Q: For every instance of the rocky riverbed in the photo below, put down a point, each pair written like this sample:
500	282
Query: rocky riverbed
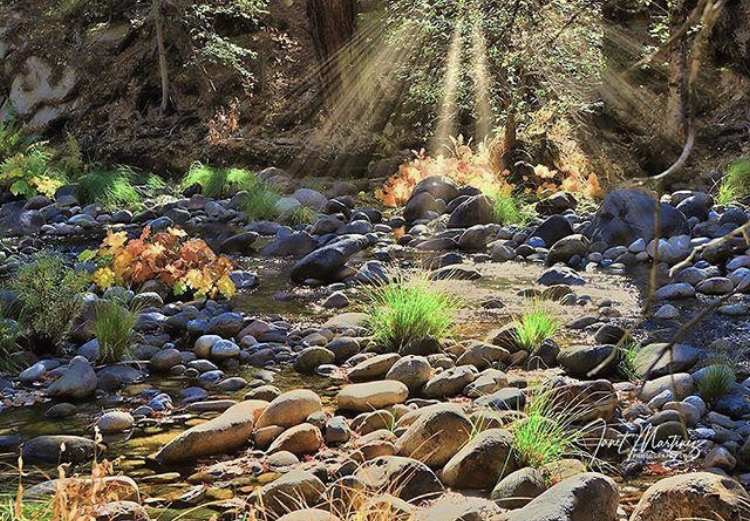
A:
279	397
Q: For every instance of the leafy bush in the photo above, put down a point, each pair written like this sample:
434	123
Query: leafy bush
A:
115	188
735	184
534	327
410	308
219	183
114	329
49	298
185	265
717	381
31	171
260	203
12	139
548	433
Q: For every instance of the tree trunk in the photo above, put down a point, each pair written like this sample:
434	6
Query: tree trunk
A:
332	25
675	116
163	70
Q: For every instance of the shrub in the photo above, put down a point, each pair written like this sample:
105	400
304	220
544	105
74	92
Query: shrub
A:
185	265
115	188
410	308
219	183
31	171
114	329
260	203
534	327
49	298
548	433
735	184
12	139
717	381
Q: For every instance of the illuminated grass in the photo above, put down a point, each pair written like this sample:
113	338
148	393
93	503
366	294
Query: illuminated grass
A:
717	381
534	327
219	183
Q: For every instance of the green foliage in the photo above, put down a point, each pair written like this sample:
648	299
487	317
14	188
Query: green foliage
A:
31	171
628	364
260	203
218	182
717	381
114	329
534	327
301	215
410	308
10	510
509	209
49	298
12	139
548	433
10	334
539	56
735	185
115	188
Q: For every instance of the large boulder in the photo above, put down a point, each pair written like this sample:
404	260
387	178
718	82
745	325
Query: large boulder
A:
58	449
628	215
325	263
482	462
699	495
436	436
406	478
419	204
475	210
553	229
290	409
438	187
226	433
372	396
660	359
585	497
299	440
295	490
78	382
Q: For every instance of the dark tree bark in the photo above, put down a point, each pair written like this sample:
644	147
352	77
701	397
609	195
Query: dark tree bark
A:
163	69
332	26
675	116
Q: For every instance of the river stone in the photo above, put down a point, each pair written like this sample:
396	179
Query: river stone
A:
412	371
588	361
699	495
680	384
164	360
78	382
488	382
553	229
326	262
371	396
343	348
656	360
475	210
374	367
557	276
240	244
311	358
628	215
482	462
436	436
290	409
309	514
221	435
508	399
677	291
419	204
48	449
588	401
407	478
556	203
120	511
450	382
585	497
224	350
438	187
567	248
517	489
299	440
482	355
294	490
115	421
715	286
453	506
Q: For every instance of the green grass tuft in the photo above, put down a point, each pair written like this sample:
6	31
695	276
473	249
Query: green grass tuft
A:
219	183
628	364
735	185
10	510
508	209
534	327
717	381
260	204
10	335
49	298
409	308
548	433
301	215
114	330
115	188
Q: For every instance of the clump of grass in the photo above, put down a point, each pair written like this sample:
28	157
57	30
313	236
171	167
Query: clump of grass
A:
13	510
114	329
49	298
219	183
301	215
260	204
628	364
508	208
115	188
10	335
548	433
717	381
410	308
735	184
534	326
